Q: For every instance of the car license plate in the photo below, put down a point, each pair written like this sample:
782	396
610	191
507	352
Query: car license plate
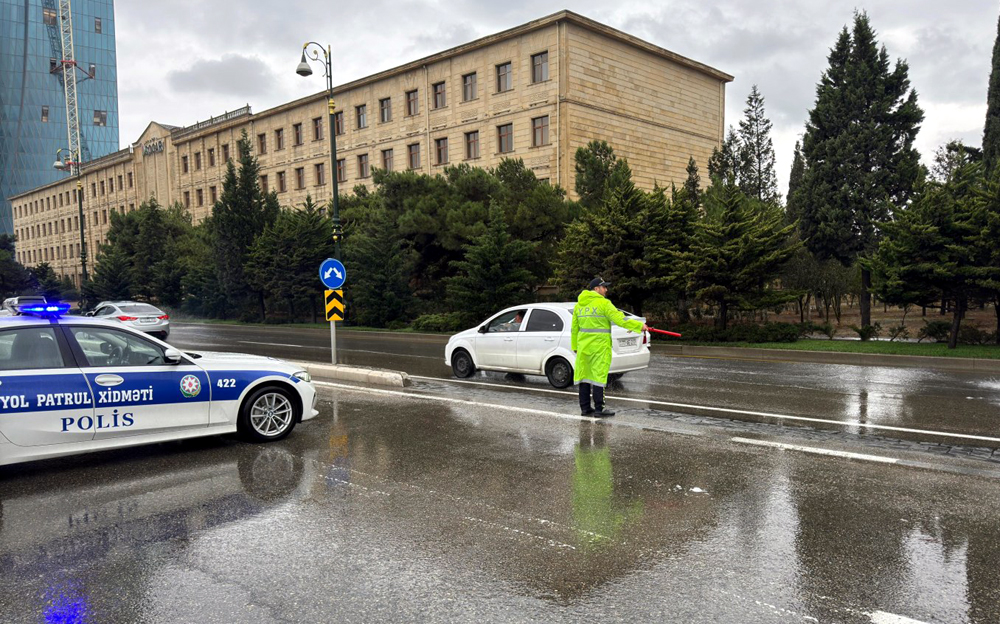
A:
627	342
147	320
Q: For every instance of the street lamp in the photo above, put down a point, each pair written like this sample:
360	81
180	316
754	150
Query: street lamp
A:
305	70
73	165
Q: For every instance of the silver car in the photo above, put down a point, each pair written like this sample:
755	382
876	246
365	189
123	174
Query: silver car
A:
141	316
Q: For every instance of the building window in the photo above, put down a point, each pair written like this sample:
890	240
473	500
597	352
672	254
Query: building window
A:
130	179
505	138
297	134
363	170
197	161
184	164
53	65
413	155
385	110
49	17
361	112
45	114
317	128
469	87
279	139
282	187
263	183
121	187
102	187
387	159
505	77
93	70
100	118
111	185
225	153
320	173
98	26
441	150
472	144
261	143
342	170
338	123
540	67
200	196
300	178
213	196
440	95
540	131
211	157
93	189
131	207
187	199
412	104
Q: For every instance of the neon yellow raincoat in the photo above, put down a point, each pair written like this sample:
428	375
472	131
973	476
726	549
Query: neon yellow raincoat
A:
591	336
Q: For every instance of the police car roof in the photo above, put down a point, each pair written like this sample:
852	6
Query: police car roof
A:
29	319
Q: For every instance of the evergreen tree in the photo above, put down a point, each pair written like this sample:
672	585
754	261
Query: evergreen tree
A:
991	134
793	202
860	163
112	276
757	178
203	292
380	262
595	165
670	233
692	184
725	162
14	278
494	273
737	251
46	282
951	157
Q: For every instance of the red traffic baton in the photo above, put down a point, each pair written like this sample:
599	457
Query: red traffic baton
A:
665	332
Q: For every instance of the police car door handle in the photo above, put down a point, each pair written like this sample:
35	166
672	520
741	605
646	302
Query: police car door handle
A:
108	380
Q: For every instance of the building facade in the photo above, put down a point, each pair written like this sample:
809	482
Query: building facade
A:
32	101
537	92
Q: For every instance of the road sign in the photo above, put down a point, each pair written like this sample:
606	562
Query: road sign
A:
332	273
334	305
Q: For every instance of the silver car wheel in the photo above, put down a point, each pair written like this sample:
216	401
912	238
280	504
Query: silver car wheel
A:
271	414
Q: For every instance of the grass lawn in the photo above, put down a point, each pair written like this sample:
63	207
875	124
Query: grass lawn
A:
991	352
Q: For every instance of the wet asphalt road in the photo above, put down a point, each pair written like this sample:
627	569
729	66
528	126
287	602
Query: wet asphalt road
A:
390	508
949	402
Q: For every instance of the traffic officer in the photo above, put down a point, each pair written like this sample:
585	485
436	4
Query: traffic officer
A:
591	341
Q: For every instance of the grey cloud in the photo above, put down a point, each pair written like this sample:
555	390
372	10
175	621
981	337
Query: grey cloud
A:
235	75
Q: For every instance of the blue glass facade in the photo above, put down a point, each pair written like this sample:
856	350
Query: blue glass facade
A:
32	101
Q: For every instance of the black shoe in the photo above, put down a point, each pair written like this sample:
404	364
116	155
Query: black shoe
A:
587	412
603	412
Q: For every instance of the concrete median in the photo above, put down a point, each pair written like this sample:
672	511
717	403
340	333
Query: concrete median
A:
357	374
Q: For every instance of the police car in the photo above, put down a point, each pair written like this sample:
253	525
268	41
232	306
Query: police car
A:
535	340
73	385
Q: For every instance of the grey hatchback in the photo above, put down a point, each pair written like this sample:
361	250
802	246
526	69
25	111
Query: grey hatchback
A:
141	316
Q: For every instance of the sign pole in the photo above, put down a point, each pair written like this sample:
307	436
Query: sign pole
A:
333	341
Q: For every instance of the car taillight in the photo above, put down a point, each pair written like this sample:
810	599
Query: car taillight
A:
164	317
645	337
127	318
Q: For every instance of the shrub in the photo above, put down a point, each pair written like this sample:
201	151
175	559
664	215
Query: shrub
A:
899	332
809	327
396	325
868	332
972	335
443	322
937	331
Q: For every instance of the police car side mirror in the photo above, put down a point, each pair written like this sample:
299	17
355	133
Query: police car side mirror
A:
172	356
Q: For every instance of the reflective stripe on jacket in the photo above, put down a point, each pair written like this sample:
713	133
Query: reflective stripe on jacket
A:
591	336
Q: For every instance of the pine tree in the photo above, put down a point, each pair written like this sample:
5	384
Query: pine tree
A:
793	202
692	185
725	161
14	278
991	134
669	235
860	163
494	273
112	276
756	176
594	166
380	261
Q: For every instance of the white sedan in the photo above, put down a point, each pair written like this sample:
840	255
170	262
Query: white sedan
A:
72	385
535	340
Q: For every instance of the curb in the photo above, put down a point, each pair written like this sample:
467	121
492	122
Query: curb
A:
978	365
358	374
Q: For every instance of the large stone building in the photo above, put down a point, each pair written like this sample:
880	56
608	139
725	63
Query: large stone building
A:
536	92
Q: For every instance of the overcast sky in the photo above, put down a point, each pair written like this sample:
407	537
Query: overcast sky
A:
186	60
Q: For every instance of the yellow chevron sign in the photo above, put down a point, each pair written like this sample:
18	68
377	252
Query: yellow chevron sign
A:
334	305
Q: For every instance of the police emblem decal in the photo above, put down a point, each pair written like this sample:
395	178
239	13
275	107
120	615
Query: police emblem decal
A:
190	386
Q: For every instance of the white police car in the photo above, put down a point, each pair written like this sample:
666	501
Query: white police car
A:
73	385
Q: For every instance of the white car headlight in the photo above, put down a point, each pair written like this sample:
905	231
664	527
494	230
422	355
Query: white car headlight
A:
302	376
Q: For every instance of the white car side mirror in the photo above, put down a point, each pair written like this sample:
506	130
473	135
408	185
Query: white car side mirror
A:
172	356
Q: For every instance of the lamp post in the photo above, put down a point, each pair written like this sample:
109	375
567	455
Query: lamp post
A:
305	70
73	164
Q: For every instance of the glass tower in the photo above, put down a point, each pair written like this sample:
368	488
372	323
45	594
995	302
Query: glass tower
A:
32	101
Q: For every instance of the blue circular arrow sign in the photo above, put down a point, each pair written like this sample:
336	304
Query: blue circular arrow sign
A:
332	273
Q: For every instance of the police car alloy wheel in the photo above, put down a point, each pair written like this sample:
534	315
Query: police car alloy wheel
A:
269	414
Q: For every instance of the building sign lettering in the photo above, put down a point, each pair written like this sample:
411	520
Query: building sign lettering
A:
152	146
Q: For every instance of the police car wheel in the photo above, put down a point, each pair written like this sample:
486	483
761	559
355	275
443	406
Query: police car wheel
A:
461	364
559	372
269	414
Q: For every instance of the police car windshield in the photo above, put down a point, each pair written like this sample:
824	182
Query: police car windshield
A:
139	308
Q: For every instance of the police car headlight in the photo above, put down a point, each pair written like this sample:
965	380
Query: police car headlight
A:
303	376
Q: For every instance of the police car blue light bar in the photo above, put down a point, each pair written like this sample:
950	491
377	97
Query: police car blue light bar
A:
44	309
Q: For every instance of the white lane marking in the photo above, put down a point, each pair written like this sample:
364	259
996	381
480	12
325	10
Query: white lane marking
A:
728	410
431	397
278	344
327	348
882	617
817	451
507	529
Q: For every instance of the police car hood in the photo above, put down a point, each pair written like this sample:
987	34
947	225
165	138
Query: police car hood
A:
233	360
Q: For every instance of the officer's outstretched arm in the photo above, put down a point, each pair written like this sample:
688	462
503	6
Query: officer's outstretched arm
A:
616	316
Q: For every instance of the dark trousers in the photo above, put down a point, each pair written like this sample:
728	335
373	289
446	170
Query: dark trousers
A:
585	389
